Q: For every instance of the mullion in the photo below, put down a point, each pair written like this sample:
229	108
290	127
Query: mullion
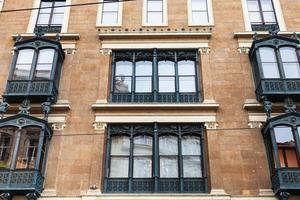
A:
261	12
51	13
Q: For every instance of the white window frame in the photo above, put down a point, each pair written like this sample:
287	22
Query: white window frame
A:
1	4
278	12
165	14
35	13
210	14
99	15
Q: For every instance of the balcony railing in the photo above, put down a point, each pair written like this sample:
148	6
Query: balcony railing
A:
48	29
278	89
21	181
286	180
165	185
264	27
35	90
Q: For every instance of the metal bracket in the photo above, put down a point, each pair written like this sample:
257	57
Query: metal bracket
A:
284	195
32	196
25	107
267	106
289	106
5	196
46	108
3	108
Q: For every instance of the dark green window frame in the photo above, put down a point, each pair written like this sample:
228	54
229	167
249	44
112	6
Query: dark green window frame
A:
155	56
155	183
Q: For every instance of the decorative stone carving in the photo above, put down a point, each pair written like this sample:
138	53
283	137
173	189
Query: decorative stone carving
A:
244	50
204	50
105	51
58	126
46	108
25	107
3	108
267	107
211	125
31	196
99	125
255	124
289	105
70	51
5	196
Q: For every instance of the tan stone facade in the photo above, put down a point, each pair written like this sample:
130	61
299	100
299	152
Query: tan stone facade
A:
237	163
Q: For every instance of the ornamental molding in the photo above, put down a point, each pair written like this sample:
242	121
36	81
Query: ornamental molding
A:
58	126
211	125
243	50
255	124
204	50
99	126
105	51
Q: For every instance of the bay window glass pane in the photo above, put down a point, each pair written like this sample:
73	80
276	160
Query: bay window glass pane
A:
284	135
166	68
28	147
142	145
143	68
198	5
23	65
266	5
119	167
7	143
57	19
155	5
155	18
255	17
288	54
120	145
168	145
187	84
142	167
123	68
252	5
270	70
186	67
168	167
122	84
109	18
291	157
44	64
143	84
269	62
192	167
269	17
291	70
191	145
166	84
43	19
199	17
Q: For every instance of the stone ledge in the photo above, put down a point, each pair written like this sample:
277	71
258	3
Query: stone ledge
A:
63	36
249	34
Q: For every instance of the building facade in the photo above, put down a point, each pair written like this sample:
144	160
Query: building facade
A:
149	99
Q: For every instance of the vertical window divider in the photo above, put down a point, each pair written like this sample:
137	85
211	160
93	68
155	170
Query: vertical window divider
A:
133	81
39	151
51	14
46	157
197	78
275	149
15	152
54	64
176	77
107	159
32	70
13	65
297	142
155	76
155	158
279	63
130	175
180	160
112	82
203	157
261	13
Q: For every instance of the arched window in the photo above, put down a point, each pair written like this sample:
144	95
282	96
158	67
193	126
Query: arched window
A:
168	156
269	62
166	76
123	77
142	156
143	77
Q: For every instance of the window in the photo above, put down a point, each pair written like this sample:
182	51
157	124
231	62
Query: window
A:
272	59
51	15
155	13
162	158
200	12
155	76
286	147
110	14
1	4
263	15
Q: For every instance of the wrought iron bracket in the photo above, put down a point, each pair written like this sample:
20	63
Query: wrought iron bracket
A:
25	107
5	196
289	105
267	106
32	196
3	108
284	195
46	108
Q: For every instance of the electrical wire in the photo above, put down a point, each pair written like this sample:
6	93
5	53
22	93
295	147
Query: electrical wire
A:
71	5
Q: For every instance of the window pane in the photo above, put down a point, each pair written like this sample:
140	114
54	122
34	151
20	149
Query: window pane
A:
270	70
142	145
155	5
186	67
269	17
269	62
283	135
252	5
143	68
123	68
187	84
168	167
155	18
109	18
23	65
192	166
120	145
291	157
45	6
166	68
7	143
168	145
111	6
122	84
255	17
59	9
142	167
198	5
119	167
46	56
291	70
166	84
28	147
288	54
266	5
191	145
44	65
57	19
143	84
199	17
43	19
